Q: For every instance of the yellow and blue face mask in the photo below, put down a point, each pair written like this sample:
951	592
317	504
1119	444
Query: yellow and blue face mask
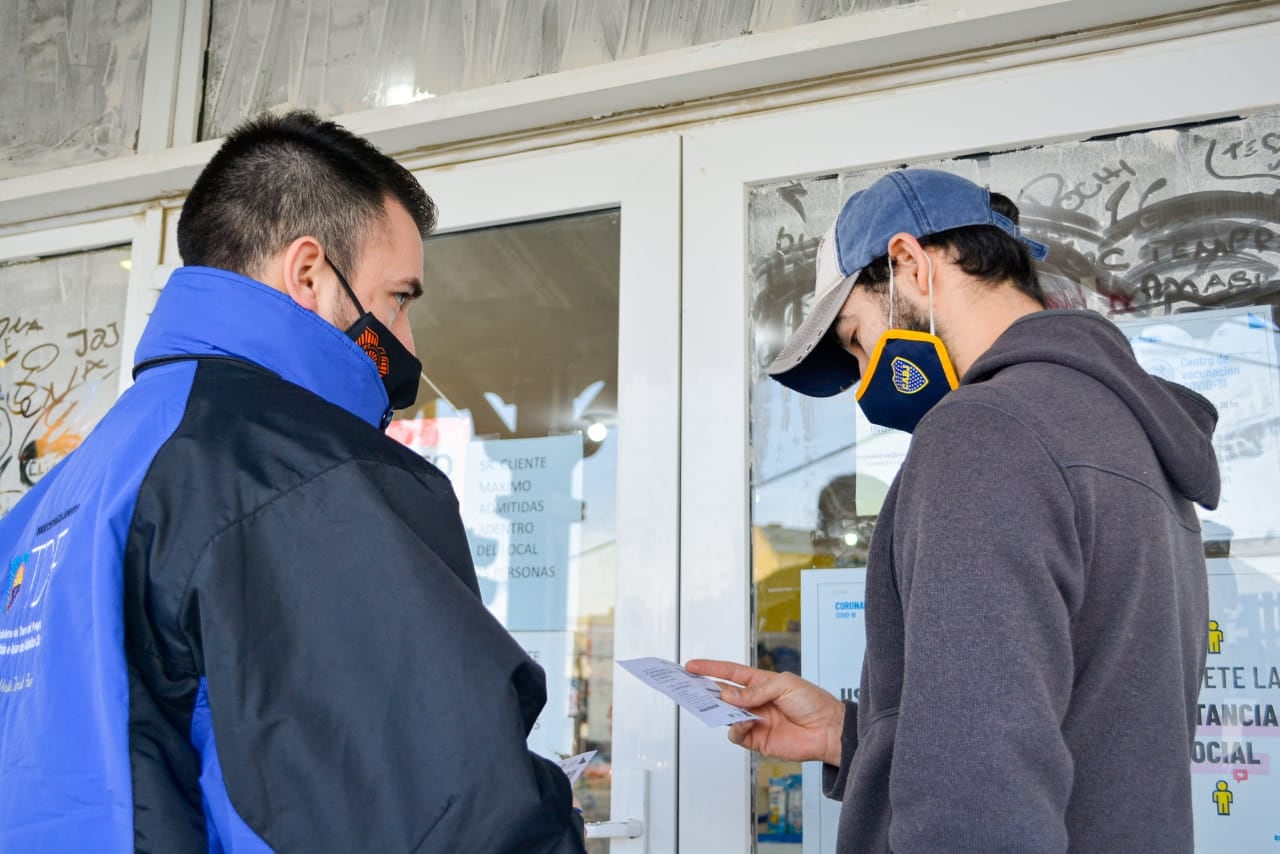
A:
909	372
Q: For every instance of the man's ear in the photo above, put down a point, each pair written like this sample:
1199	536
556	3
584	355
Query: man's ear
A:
910	264
302	265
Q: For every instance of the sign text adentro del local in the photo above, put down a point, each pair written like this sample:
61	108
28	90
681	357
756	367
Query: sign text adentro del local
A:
522	514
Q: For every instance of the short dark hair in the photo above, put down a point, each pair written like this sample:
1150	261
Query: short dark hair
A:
986	252
279	177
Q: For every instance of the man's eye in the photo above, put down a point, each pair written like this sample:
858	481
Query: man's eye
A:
401	299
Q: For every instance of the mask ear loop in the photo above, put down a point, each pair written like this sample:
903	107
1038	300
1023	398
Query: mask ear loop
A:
932	331
891	299
347	287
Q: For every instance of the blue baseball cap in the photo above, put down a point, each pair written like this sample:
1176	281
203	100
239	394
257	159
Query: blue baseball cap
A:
919	202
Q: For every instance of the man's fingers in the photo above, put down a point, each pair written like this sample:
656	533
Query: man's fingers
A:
728	670
762	693
738	732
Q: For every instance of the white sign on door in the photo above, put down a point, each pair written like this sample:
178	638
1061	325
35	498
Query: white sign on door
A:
833	640
521	500
1235	758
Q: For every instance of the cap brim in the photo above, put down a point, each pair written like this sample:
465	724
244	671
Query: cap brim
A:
812	362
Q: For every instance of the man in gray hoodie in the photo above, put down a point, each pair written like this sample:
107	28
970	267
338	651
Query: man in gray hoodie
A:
1036	598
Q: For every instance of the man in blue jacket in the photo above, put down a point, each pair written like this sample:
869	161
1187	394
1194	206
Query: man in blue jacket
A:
239	617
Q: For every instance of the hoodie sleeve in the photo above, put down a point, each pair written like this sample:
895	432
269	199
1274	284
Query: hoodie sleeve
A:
362	697
988	565
834	777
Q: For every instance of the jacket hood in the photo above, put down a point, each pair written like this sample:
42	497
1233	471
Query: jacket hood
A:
1178	421
205	312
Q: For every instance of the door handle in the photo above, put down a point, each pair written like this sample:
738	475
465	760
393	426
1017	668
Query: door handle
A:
627	828
630	813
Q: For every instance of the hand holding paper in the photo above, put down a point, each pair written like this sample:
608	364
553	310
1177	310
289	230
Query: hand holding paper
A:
796	719
698	694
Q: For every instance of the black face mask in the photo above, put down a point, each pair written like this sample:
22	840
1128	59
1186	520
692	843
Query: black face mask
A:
398	367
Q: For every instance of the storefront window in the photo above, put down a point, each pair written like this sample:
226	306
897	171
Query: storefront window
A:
78	67
341	56
60	328
1175	235
518	336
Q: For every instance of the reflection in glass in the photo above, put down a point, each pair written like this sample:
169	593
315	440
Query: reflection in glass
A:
78	67
518	335
60	328
1174	234
341	56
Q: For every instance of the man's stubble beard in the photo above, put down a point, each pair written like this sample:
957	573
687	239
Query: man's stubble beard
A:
907	316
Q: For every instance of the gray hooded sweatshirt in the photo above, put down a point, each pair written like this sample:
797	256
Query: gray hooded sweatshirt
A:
1036	610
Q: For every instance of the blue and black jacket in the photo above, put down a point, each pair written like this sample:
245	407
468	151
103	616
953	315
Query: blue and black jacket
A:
239	618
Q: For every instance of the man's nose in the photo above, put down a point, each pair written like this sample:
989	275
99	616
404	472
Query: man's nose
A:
404	332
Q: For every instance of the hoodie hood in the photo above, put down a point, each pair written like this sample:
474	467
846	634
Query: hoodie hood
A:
1178	421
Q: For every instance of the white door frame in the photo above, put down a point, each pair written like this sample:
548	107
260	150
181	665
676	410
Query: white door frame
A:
642	178
141	232
1184	80
796	64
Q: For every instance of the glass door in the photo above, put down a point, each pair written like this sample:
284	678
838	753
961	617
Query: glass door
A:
780	493
69	318
548	334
